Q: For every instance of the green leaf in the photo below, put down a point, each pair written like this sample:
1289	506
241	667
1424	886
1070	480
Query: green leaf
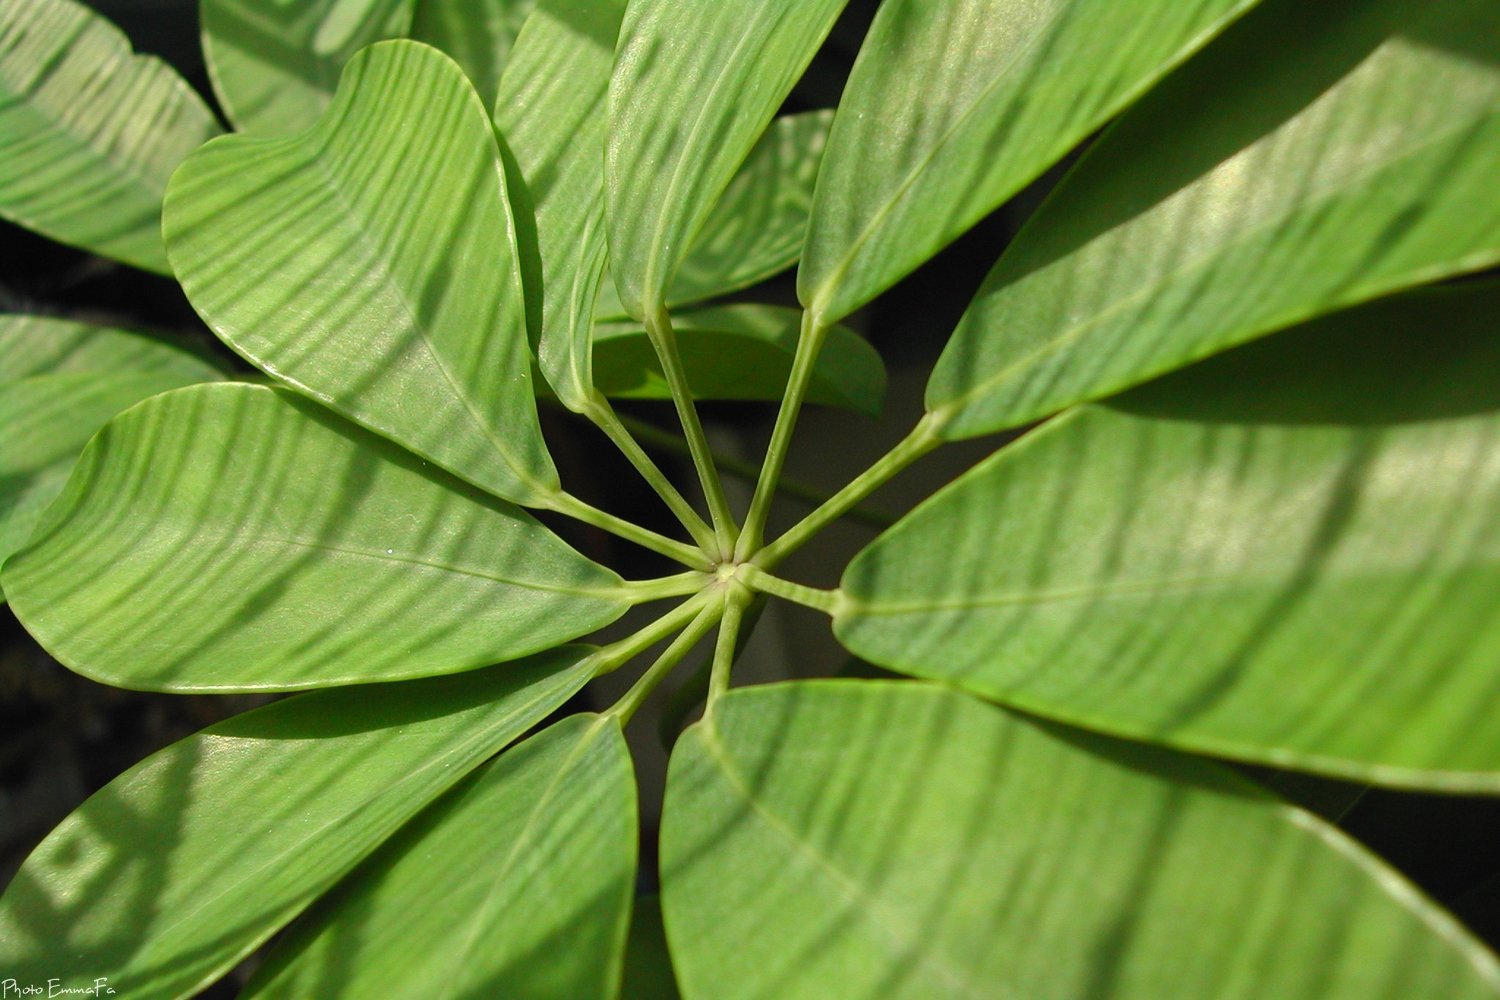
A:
695	84
181	866
478	34
275	66
59	383
648	965
739	351
91	131
757	227
238	538
1286	555
371	264
551	113
516	884
1259	187
891	840
955	105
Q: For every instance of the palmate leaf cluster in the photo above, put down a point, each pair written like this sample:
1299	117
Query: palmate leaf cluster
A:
1257	519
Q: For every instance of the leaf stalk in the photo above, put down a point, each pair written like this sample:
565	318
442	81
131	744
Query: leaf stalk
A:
922	440
664	340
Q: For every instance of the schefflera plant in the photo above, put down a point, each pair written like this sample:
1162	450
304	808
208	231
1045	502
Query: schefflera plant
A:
1283	555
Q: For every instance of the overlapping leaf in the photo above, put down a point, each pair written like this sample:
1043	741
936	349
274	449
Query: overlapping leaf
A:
371	264
889	840
739	352
551	113
954	105
1288	555
1253	190
91	131
59	383
275	66
695	84
478	34
518	884
235	537
756	228
184	864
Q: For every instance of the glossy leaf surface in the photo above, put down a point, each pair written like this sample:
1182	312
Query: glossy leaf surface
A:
739	352
955	105
275	66
59	383
1287	555
478	34
757	227
163	880
235	538
1291	186
551	113
889	840
371	264
91	131
516	884
695	84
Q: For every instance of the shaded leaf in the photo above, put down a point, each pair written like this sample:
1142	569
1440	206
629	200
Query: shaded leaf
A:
516	884
648	966
955	105
163	880
371	264
91	131
891	840
275	66
551	113
236	538
478	34
695	84
1294	183
739	352
60	382
1285	555
757	227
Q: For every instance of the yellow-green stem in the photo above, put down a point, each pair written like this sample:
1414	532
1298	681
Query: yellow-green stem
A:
664	340
809	343
670	657
604	417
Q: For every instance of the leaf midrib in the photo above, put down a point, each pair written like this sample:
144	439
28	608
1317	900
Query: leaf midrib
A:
438	762
910	938
302	543
1336	188
840	271
379	255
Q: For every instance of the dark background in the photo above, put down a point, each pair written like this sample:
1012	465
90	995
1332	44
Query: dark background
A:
62	737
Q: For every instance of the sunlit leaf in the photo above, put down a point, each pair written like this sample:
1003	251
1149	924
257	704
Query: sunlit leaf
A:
892	840
517	884
739	352
177	869
954	105
59	383
90	131
1287	555
234	537
695	84
1255	189
275	65
551	113
757	227
371	264
478	34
